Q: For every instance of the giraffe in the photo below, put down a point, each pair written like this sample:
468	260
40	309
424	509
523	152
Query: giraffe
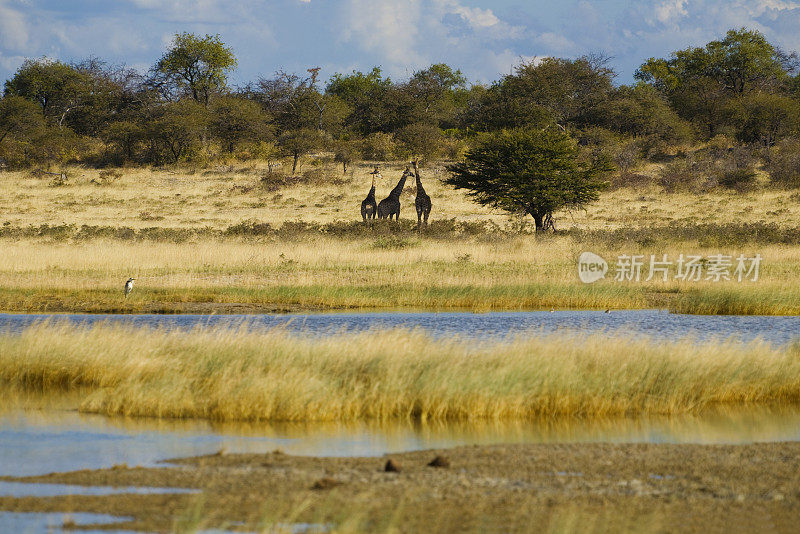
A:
391	205
423	200
368	206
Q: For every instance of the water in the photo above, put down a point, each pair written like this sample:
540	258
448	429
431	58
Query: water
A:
52	522
654	323
40	441
42	435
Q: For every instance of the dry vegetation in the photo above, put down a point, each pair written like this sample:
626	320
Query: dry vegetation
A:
236	238
242	374
225	196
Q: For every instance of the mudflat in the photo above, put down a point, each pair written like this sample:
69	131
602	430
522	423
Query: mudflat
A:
550	488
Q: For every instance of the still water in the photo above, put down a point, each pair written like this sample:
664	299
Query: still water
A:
38	439
654	323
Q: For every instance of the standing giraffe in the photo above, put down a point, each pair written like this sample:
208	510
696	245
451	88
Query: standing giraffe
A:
368	206
423	200
391	205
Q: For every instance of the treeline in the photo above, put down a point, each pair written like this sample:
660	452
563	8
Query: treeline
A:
740	92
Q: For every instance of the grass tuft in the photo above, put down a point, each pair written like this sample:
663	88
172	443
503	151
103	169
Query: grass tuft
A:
245	374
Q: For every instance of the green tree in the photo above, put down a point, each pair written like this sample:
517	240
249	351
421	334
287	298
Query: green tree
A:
58	88
19	118
420	139
370	97
126	135
539	92
296	102
346	151
700	82
436	94
533	171
297	143
177	130
641	111
501	107
765	118
194	66
235	120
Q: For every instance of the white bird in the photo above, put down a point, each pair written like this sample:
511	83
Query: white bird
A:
129	286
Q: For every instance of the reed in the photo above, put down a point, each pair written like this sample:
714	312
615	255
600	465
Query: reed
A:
241	373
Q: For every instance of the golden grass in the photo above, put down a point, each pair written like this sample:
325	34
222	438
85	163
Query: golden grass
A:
315	270
322	272
222	196
243	374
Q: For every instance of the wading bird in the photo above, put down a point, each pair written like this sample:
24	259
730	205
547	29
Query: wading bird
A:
129	286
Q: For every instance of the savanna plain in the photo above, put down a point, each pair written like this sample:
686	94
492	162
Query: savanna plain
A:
231	239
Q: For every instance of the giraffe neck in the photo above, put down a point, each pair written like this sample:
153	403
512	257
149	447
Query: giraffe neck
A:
420	189
399	188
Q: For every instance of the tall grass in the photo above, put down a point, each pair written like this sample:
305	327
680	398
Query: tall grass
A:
324	272
244	374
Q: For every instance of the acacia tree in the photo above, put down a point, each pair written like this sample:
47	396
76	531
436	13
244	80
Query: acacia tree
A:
194	66
177	130
534	171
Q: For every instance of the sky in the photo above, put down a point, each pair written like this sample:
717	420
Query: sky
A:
485	39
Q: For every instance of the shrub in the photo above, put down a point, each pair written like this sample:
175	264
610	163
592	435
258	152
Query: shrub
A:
379	146
690	174
393	243
740	180
784	164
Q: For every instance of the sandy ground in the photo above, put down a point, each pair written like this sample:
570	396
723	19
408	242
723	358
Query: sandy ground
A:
531	488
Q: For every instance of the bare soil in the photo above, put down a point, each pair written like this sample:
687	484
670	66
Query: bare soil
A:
569	487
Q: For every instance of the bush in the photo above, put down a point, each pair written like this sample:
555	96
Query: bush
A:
420	139
689	174
784	164
394	243
379	146
740	180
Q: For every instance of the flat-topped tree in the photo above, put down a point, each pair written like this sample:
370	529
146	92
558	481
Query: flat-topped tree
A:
534	171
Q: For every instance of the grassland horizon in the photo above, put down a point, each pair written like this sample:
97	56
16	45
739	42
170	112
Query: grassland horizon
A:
241	373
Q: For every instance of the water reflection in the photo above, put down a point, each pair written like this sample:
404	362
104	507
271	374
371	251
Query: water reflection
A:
39	435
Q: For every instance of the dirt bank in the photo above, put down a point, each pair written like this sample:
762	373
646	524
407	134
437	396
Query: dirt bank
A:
575	487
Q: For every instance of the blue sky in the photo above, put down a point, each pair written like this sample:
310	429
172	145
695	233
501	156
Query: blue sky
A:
485	39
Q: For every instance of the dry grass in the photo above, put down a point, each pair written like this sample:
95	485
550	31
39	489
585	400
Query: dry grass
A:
240	374
322	272
217	260
224	196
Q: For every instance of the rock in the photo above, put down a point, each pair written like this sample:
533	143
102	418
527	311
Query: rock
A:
326	483
391	466
439	461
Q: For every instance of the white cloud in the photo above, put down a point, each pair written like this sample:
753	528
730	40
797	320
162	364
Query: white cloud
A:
13	27
483	40
387	29
669	11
